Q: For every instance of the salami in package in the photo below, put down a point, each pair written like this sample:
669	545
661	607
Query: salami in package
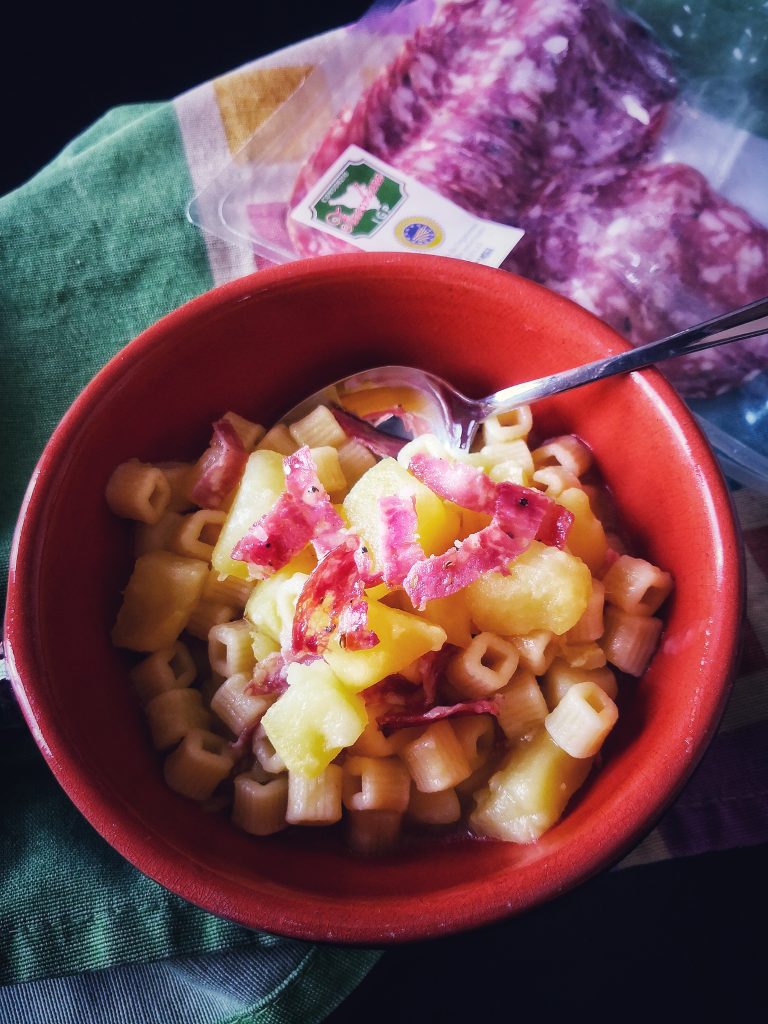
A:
558	139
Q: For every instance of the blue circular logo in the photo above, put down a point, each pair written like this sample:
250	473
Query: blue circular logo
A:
419	233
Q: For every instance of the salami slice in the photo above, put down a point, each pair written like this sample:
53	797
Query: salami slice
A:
543	114
653	250
486	100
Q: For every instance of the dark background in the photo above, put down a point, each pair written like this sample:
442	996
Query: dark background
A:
62	66
674	940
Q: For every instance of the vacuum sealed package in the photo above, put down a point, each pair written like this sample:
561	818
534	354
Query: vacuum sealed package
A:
615	154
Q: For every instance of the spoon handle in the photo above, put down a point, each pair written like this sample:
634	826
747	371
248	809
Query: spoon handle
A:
745	322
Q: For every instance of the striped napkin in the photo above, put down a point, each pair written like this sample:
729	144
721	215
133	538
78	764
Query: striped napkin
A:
93	250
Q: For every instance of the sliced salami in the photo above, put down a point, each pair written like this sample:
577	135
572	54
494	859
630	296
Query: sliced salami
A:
543	114
486	100
653	250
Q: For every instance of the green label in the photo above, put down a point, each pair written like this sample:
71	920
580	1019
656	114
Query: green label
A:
359	199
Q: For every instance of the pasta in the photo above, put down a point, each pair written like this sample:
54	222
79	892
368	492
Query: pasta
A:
237	705
196	534
137	491
314	799
259	806
522	706
171	715
200	762
436	759
483	667
230	648
323	633
170	669
582	719
561	676
375	784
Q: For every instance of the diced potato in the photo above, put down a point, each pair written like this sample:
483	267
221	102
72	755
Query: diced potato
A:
472	522
272	604
438	521
546	589
161	593
586	538
263	645
382	590
402	639
314	719
529	792
262	483
452	614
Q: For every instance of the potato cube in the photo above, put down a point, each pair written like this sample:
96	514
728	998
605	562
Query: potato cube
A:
529	792
262	483
314	719
452	614
438	521
546	589
402	639
272	604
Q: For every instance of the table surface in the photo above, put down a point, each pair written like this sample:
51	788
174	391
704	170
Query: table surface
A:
685	935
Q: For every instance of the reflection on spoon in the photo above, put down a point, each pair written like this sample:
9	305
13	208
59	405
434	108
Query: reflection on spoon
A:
423	402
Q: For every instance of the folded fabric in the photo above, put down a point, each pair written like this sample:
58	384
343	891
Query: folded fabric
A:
93	250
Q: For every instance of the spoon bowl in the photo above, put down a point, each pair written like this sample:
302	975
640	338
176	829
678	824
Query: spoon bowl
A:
455	419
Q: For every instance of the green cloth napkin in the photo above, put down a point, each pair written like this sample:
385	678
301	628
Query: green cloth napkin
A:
93	250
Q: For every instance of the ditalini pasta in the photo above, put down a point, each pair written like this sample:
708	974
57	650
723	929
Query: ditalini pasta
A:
334	625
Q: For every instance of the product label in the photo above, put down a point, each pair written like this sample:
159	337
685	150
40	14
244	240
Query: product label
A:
372	205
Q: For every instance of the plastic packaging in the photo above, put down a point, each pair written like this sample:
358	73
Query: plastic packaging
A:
248	202
712	124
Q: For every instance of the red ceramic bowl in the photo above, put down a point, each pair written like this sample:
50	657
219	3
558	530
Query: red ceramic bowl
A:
257	346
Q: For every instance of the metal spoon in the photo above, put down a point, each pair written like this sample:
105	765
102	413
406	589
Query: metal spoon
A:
456	418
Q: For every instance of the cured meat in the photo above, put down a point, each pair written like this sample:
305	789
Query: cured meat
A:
301	514
465	485
653	250
519	511
398	528
376	441
488	550
221	466
393	720
332	602
485	102
543	114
